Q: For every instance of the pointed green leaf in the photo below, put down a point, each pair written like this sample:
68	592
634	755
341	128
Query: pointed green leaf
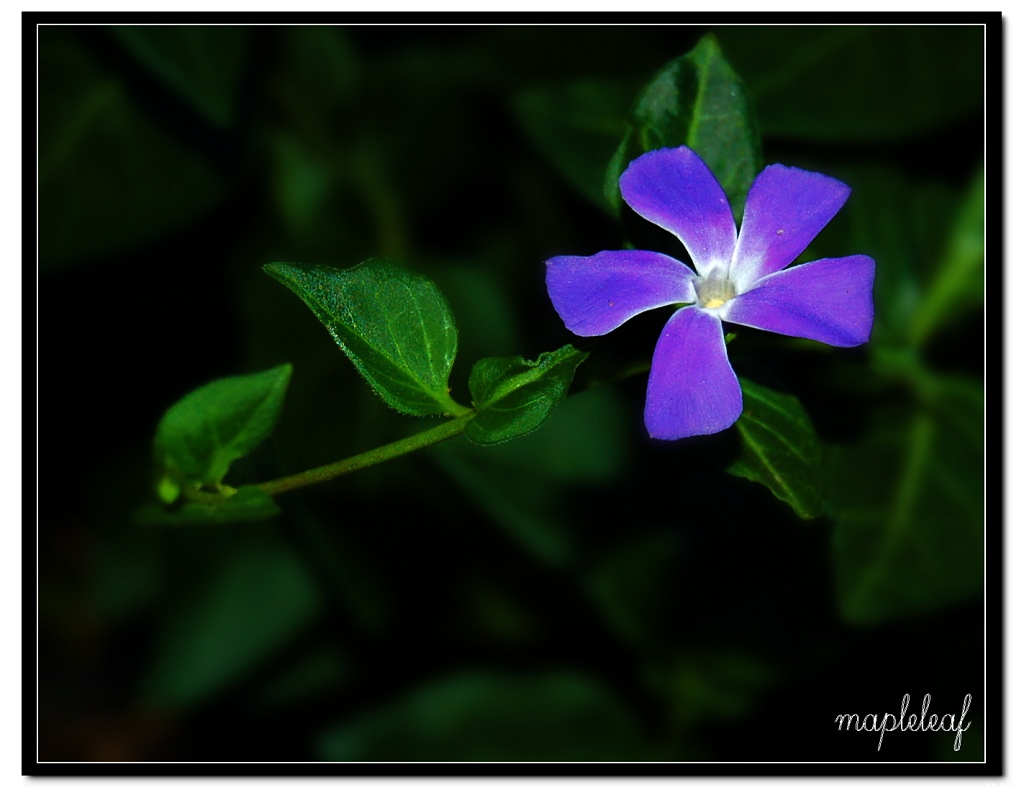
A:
696	100
780	448
395	326
909	503
514	396
205	431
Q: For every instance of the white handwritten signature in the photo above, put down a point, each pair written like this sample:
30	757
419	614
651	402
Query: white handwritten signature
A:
888	722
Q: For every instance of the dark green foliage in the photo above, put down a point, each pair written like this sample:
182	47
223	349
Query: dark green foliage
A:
909	535
395	326
494	717
845	83
578	126
521	486
780	448
203	64
235	611
696	100
908	495
111	176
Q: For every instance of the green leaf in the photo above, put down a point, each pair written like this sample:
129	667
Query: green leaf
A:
781	449
248	504
395	326
846	83
696	100
908	499
228	617
480	716
205	431
578	125
514	396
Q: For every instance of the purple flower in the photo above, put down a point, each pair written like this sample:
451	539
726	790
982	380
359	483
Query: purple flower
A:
735	278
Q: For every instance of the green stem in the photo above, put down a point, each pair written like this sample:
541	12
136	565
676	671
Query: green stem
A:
444	431
440	433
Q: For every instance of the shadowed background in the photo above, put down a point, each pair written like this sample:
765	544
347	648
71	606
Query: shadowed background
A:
581	594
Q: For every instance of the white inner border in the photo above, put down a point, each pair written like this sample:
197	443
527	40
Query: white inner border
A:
11	343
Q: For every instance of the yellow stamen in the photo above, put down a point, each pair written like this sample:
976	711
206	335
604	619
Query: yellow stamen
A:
715	289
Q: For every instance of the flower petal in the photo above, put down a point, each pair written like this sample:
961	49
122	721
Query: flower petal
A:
828	300
692	389
674	189
786	208
596	294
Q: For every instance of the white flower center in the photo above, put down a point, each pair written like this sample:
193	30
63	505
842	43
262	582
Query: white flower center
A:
714	289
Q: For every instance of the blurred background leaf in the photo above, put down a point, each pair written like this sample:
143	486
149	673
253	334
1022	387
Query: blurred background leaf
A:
925	237
908	495
958	284
578	126
518	485
111	177
493	717
846	83
715	684
204	65
250	600
909	536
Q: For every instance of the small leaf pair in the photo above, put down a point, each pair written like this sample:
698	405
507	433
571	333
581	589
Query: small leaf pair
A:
398	331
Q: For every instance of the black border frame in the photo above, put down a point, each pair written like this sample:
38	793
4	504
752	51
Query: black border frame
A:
995	627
